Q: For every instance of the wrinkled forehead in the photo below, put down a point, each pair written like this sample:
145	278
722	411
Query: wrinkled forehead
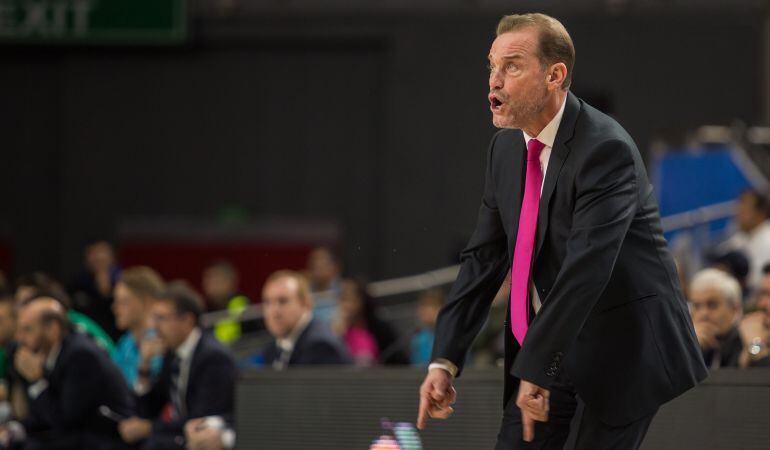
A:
520	43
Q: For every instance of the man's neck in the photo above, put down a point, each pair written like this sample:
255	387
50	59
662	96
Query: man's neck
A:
552	107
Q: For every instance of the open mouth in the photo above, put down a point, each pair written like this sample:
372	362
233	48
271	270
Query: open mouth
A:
494	103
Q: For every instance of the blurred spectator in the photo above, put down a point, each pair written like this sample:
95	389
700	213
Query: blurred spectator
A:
736	264
139	349
299	339
358	312
91	290
38	283
489	346
7	332
755	327
323	272
209	433
4	282
429	304
220	286
354	314
753	235
75	391
715	300
197	378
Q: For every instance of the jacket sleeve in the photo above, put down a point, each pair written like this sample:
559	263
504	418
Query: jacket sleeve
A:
484	264
605	204
76	400
213	393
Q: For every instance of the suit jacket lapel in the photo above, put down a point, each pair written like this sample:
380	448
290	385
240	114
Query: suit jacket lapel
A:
559	154
513	182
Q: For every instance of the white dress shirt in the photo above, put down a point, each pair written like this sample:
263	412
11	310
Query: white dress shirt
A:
547	136
185	354
286	345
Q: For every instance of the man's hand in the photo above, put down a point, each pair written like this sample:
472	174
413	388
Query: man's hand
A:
29	364
134	429
436	396
533	401
707	335
149	348
201	437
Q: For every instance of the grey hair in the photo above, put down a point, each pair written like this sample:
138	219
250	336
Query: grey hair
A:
721	281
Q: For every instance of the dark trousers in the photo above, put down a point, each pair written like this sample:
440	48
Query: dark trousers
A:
571	426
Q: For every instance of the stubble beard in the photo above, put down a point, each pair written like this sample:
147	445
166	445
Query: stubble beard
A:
522	113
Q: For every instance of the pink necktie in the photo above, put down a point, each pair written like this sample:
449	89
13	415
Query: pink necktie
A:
525	242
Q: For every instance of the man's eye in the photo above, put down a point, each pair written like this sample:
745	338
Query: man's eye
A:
510	68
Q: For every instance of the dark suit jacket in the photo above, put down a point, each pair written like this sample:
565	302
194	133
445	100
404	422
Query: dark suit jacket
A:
210	388
66	414
729	352
613	314
316	345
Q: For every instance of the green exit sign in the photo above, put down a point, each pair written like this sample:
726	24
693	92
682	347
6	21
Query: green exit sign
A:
93	21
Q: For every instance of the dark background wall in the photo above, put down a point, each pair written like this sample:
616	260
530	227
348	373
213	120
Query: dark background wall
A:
376	121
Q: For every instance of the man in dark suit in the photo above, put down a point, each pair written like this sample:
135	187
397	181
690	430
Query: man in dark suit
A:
299	338
598	335
75	391
197	378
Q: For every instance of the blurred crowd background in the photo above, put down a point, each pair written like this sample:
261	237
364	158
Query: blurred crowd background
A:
197	189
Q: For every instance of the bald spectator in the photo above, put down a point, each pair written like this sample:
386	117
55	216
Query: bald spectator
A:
139	349
220	287
66	409
197	378
299	339
324	272
39	284
715	301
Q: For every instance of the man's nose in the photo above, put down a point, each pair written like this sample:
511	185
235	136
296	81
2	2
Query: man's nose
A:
495	79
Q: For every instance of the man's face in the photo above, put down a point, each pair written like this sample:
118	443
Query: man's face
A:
517	79
172	327
99	257
129	308
709	305
763	298
746	215
7	322
282	306
322	269
30	333
218	286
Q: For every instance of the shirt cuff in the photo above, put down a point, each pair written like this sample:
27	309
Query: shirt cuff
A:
228	438
445	364
37	388
16	431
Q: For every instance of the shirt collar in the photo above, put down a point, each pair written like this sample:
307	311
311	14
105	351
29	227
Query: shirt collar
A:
53	355
287	344
185	350
548	135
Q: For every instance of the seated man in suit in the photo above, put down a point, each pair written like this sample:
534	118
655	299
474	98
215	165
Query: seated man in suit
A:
197	378
75	391
299	339
715	302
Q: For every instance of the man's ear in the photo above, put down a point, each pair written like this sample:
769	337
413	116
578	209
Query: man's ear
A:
556	75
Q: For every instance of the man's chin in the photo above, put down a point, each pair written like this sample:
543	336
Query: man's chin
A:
500	120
